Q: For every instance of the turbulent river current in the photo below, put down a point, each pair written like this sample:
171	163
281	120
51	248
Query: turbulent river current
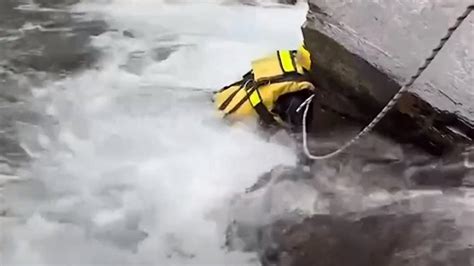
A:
134	165
125	162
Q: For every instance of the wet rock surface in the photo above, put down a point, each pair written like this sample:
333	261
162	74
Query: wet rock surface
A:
388	205
376	240
424	230
360	65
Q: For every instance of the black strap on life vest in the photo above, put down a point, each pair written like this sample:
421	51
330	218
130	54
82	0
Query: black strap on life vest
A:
230	98
245	77
253	96
261	109
248	77
251	86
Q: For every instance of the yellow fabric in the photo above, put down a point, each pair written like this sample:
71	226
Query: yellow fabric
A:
287	61
265	70
303	58
269	94
222	96
254	98
270	66
266	67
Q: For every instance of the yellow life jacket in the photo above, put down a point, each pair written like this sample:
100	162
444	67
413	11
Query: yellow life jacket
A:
256	94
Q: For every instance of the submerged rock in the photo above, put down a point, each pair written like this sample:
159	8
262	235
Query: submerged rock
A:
351	210
296	218
375	240
365	50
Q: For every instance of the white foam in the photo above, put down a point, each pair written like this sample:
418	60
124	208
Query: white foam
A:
133	168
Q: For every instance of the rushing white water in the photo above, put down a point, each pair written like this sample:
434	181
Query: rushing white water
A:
136	167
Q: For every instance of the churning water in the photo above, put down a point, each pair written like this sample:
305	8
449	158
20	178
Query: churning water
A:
134	167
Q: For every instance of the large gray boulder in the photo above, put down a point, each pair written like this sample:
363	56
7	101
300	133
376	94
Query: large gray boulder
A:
364	50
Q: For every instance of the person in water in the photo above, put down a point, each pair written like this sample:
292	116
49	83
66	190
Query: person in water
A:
272	91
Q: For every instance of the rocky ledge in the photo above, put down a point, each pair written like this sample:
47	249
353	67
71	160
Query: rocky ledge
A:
364	51
356	212
385	204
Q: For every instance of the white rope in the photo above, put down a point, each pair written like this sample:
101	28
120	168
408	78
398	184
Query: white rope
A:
467	162
390	104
